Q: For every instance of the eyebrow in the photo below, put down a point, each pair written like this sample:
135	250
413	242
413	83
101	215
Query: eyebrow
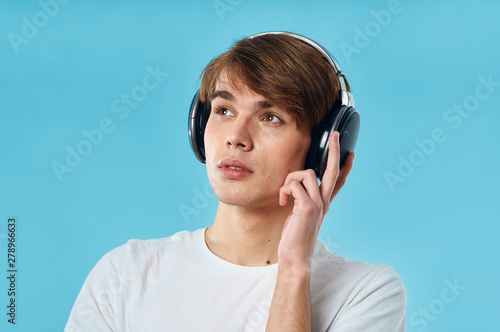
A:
230	97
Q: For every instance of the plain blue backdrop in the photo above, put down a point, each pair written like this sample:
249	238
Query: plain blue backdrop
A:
422	196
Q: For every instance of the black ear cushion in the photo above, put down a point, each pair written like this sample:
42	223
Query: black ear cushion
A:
346	121
198	117
349	131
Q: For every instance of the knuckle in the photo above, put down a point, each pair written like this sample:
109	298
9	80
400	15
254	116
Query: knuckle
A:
310	172
341	180
321	206
296	184
309	208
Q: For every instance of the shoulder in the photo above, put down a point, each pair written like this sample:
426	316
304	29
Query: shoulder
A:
356	276
345	290
329	260
119	278
137	252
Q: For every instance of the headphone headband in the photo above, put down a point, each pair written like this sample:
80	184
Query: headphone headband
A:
347	97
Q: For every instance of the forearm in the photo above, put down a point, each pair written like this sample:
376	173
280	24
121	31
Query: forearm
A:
291	304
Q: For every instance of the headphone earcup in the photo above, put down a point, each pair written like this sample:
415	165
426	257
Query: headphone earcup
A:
346	121
349	131
198	117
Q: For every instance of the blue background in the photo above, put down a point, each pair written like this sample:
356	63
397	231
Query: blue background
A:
437	225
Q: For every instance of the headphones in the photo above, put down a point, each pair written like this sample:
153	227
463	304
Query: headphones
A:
344	119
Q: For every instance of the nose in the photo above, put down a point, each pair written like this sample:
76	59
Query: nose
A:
239	135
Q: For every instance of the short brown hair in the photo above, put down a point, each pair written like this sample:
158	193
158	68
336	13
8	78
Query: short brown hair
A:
288	72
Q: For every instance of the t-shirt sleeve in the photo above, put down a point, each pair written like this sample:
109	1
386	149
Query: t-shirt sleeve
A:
379	306
96	305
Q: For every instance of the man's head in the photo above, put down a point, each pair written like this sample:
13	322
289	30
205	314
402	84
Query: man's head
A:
288	72
265	94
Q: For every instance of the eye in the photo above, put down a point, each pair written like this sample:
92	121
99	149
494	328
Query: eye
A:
223	111
272	118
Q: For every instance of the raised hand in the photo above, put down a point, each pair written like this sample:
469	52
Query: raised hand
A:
311	204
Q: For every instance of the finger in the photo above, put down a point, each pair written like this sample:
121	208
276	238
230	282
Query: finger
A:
309	181
332	168
344	173
294	189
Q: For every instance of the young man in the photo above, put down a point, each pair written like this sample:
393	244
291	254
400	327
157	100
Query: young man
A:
259	267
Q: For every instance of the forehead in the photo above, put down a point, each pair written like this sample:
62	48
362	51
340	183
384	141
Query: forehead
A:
234	84
235	90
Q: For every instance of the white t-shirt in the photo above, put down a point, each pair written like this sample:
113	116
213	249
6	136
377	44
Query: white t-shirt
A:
177	284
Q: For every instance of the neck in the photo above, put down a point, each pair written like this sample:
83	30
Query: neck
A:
248	237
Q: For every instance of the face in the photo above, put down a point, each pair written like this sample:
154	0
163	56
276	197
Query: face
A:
250	147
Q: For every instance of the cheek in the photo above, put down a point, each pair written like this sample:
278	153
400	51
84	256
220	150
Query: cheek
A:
285	159
293	154
209	141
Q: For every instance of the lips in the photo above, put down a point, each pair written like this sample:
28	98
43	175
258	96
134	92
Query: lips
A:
234	164
234	169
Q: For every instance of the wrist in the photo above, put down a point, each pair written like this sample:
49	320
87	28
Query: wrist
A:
298	269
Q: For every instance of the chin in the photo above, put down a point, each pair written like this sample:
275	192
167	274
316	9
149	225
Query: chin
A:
235	195
250	204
